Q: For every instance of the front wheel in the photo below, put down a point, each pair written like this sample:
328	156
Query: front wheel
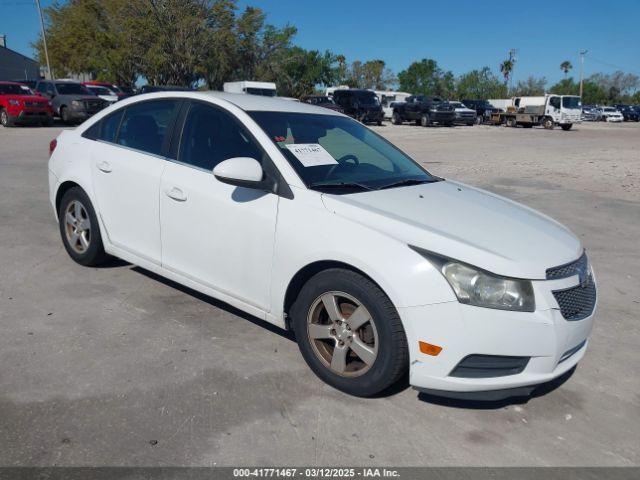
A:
425	120
567	126
396	119
349	332
548	123
79	228
5	119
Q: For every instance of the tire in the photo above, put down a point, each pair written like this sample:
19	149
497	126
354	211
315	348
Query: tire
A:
511	122
566	127
382	334
64	116
379	123
81	238
425	120
5	120
396	119
479	120
548	123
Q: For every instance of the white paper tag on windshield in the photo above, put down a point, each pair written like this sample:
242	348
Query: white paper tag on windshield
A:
311	154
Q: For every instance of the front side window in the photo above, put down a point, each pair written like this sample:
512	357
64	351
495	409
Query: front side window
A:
42	87
11	89
145	125
211	135
331	152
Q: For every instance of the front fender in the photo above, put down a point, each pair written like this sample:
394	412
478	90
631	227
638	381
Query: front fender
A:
307	233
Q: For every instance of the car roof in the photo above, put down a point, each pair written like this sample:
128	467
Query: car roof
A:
3	82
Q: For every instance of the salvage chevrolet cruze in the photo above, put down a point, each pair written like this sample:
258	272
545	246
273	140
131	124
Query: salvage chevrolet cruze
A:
307	219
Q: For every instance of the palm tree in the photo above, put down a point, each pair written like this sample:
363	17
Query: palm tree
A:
565	67
505	68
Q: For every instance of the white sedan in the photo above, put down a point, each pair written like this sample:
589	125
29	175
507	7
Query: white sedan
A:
307	219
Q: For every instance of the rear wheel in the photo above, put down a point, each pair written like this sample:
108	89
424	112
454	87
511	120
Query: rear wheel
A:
349	332
396	119
425	120
5	119
479	120
79	228
511	122
64	115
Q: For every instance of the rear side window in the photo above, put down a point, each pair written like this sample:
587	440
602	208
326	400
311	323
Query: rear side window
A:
146	124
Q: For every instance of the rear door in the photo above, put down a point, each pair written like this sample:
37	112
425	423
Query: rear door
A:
216	234
128	161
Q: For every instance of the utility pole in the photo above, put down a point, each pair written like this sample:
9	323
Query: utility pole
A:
44	40
582	54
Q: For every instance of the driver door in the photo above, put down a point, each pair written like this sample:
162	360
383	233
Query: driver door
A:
216	234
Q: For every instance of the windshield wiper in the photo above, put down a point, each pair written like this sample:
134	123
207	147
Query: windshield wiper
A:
409	181
340	185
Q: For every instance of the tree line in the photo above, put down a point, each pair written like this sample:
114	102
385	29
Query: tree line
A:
208	42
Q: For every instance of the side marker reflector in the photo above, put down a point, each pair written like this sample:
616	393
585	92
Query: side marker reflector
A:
429	349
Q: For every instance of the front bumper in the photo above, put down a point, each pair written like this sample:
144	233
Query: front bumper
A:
464	330
442	117
31	116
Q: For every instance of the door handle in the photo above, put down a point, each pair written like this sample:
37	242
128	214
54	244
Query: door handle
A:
104	166
176	194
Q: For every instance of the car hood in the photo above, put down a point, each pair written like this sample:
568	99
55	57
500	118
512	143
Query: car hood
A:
466	224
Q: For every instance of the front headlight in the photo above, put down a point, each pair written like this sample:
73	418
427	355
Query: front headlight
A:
15	103
77	103
474	286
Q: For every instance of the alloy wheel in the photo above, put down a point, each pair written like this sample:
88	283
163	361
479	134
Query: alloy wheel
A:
77	226
342	334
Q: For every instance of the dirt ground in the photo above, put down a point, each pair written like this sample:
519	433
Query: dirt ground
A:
115	366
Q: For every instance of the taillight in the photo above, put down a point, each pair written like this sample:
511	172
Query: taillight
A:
52	146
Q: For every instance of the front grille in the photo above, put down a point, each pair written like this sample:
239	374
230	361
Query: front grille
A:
578	302
93	105
569	269
488	366
34	104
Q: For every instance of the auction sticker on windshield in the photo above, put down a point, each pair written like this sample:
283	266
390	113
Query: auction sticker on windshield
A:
311	154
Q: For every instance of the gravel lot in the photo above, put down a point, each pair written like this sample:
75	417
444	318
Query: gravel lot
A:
114	366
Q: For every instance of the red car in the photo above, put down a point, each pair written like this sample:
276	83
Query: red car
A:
111	86
18	104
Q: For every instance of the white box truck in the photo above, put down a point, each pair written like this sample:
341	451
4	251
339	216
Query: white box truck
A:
548	110
266	89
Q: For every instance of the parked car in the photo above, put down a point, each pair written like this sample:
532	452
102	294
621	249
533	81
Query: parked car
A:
610	114
112	89
424	110
322	101
629	113
266	89
464	115
163	88
483	109
591	114
310	221
387	98
363	105
19	105
70	100
104	93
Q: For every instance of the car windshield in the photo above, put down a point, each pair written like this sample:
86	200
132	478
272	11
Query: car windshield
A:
100	90
337	154
71	89
571	102
609	109
10	89
366	98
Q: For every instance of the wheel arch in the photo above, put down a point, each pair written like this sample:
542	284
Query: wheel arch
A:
303	275
63	188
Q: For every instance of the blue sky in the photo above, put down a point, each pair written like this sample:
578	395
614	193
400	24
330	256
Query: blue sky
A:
460	35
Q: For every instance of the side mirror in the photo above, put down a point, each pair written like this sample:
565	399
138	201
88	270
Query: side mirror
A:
241	172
